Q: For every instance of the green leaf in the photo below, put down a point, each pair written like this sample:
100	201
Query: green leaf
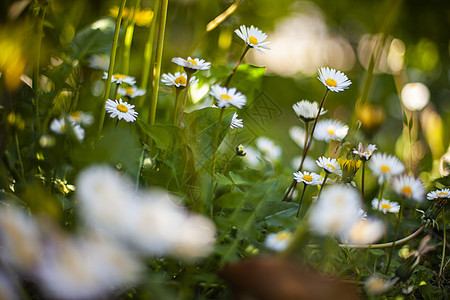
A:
229	200
237	179
166	137
222	179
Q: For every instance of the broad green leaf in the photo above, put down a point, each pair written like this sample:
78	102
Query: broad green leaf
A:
166	137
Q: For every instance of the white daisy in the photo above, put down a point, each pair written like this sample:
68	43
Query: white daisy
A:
59	126
336	210
307	111
100	62
329	165
409	187
298	135
329	130
335	81
226	97
236	123
278	241
309	178
385	166
241	151
120	78
121	110
365	153
192	65
271	151
254	37
366	231
443	193
178	80
82	118
131	91
385	206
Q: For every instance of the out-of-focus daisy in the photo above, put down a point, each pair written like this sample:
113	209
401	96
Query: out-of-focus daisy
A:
329	130
271	151
278	241
365	153
307	111
192	65
100	61
121	110
120	78
308	164
226	97
329	165
298	135
409	187
309	178
437	194
385	166
335	81
252	157
82	118
377	286
366	231
7	289
241	151
385	206
336	210
254	37
178	79
131	91
235	122
59	126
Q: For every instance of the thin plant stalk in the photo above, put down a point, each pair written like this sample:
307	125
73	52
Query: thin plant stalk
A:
362	180
380	196
323	184
128	40
228	163
111	67
397	226
35	83
158	61
301	200
216	142
141	163
188	79
444	243
227	82
175	109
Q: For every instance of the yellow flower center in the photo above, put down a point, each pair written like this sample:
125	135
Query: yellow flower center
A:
122	108
282	236
180	80
225	97
441	194
307	177
385	169
331	82
331	130
386	206
76	115
252	40
129	90
192	61
331	166
119	76
406	190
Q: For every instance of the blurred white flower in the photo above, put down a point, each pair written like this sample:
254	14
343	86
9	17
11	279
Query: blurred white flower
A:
120	78
298	135
271	151
330	130
309	178
335	81
409	187
131	91
226	97
7	290
59	126
385	166
253	37
192	65
366	231
82	118
236	123
252	158
377	286
307	111
365	153
329	165
438	194
415	96
121	110
278	241
100	62
385	205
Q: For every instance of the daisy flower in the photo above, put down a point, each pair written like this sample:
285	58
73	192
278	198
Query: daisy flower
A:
226	97
335	81
82	118
178	80
308	178
385	205
329	165
120	78
409	187
235	122
444	193
366	231
192	65
272	152
253	37
278	241
240	150
385	166
307	111
59	126
121	110
298	135
131	91
252	157
329	130
365	153
100	62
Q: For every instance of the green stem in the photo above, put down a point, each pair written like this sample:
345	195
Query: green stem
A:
444	243
111	67
216	142
36	76
19	156
237	65
397	226
323	184
380	195
141	162
188	79
301	200
228	163
175	109
157	69
128	40
362	180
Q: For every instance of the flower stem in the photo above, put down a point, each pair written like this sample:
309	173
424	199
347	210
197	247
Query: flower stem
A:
228	163
111	66
362	180
301	199
444	243
128	39
216	142
36	76
235	68
158	60
395	234
175	109
323	184
141	163
380	195
188	79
